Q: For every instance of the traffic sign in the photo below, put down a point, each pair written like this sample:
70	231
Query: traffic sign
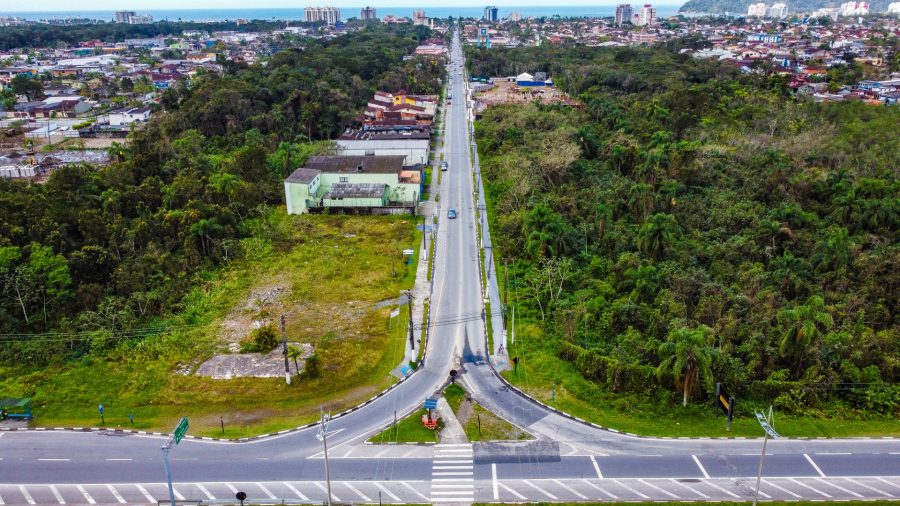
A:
180	430
764	423
100	409
430	403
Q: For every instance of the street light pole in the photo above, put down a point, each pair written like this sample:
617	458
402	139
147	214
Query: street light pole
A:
322	434
766	424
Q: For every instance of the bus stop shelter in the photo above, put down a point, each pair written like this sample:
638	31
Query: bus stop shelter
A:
16	409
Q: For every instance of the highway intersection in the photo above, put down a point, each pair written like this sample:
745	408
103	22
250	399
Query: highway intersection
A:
567	460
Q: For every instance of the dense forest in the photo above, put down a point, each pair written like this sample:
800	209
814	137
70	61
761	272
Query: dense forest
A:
31	36
689	225
114	248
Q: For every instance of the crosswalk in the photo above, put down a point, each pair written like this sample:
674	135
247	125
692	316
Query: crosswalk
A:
453	474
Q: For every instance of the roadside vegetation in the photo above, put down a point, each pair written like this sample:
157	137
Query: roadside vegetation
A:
409	429
691	225
479	423
112	279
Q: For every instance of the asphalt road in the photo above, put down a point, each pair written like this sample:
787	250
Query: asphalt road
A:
566	461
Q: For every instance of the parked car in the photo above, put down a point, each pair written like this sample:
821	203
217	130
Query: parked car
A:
451	213
444	166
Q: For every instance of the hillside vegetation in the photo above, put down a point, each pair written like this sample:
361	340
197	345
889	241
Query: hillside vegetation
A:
689	225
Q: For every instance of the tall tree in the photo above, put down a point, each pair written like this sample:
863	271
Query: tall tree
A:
688	358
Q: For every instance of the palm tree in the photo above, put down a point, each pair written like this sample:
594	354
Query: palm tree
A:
544	232
835	251
225	182
295	352
688	357
640	199
803	326
657	234
204	229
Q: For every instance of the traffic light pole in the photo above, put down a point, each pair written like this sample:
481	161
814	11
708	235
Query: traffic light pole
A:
165	453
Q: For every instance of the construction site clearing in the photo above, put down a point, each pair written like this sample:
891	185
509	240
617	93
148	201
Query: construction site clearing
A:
502	91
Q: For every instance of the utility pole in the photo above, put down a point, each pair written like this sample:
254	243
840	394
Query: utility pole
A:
766	423
409	299
322	435
284	351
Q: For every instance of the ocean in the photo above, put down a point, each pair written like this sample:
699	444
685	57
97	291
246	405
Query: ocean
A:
662	11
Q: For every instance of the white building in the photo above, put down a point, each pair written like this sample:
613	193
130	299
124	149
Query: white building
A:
330	15
854	8
412	146
778	10
757	10
646	16
129	116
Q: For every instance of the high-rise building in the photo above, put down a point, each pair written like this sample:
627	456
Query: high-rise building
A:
623	14
367	13
330	15
484	37
490	14
419	18
757	10
141	19
646	16
854	8
124	16
778	10
515	16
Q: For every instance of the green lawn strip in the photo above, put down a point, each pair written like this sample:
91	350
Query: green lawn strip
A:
422	333
408	430
455	396
483	425
337	268
689	503
539	369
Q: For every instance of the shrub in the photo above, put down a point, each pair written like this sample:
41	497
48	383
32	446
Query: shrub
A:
261	340
313	368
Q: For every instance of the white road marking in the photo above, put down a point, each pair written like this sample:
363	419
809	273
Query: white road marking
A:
511	491
682	485
177	493
596	467
611	496
452	467
702	469
205	492
407	454
323	489
382	452
813	464
57	495
53	460
494	481
453	473
539	489
146	494
349	451
570	489
266	491
26	494
664	491
294	490
458	485
889	483
823	494
356	491
385	490
833	453
882	492
713	485
842	489
1	500
87	496
626	487
780	488
116	494
118	460
407	485
450	445
232	488
453	461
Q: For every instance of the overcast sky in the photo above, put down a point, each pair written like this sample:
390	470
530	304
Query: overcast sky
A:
139	5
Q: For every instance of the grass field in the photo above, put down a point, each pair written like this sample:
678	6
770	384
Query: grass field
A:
541	371
479	423
334	269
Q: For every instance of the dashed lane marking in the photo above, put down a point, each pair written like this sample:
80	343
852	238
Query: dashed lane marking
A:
626	487
814	466
116	494
570	489
702	469
660	489
786	491
26	494
57	495
294	490
539	489
87	496
494	481
601	489
823	494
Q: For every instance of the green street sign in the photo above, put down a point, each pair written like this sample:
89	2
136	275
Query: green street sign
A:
180	430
